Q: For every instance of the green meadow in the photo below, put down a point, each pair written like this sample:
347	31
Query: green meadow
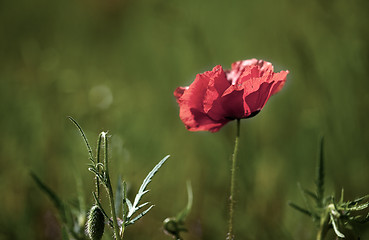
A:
113	66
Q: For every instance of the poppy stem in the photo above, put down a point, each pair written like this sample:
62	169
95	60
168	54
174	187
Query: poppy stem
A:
230	235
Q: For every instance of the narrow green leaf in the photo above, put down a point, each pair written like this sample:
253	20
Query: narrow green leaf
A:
124	201
142	205
298	208
84	138
139	216
335	228
52	195
119	197
144	184
303	195
310	194
358	200
320	176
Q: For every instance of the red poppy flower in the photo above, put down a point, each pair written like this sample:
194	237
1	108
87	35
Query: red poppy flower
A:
217	97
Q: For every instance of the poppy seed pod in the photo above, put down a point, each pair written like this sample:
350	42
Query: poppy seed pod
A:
95	223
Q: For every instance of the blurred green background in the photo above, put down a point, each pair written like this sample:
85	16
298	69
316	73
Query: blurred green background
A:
114	64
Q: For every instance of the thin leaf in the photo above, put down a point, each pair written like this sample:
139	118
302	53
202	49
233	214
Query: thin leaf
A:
124	200
358	207
119	197
129	204
310	194
98	165
139	216
144	184
51	194
142	205
298	208
84	138
334	224
358	200
304	198
320	176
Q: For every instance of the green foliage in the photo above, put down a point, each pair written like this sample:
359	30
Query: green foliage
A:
328	213
101	172
133	208
175	225
61	58
72	220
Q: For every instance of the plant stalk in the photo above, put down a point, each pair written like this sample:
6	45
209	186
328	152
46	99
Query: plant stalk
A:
97	165
230	235
323	227
109	189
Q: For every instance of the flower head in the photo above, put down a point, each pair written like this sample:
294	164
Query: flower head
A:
217	97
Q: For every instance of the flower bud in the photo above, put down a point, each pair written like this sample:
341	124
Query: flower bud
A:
171	226
95	223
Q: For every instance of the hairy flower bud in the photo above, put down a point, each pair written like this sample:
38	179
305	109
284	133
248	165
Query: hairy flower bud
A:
95	223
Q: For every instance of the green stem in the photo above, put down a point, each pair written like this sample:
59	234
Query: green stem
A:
323	227
97	165
230	235
109	189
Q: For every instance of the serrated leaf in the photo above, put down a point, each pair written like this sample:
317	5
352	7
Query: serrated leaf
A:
139	216
144	184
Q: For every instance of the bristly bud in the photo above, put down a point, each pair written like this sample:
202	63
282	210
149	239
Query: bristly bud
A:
95	223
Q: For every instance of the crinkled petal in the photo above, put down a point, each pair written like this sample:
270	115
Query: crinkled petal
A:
199	121
217	84
197	99
216	97
281	78
255	101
